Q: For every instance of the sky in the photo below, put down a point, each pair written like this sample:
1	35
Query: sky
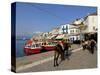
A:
37	17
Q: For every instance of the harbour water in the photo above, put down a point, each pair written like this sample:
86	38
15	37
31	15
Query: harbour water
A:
19	48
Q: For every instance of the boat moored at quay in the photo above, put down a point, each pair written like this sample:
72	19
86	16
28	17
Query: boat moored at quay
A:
32	47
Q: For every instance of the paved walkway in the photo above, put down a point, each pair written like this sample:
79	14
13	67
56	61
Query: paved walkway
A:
44	61
21	61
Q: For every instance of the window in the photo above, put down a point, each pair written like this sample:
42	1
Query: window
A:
76	30
33	45
37	45
73	31
77	38
73	38
70	31
94	28
64	29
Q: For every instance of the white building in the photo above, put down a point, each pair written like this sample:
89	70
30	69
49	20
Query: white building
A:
72	31
63	29
87	26
91	21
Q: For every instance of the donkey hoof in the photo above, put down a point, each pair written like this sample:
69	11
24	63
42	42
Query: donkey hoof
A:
57	64
54	65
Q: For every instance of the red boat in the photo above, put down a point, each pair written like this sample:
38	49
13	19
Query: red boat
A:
38	47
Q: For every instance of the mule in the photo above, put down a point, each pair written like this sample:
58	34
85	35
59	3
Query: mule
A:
58	51
89	45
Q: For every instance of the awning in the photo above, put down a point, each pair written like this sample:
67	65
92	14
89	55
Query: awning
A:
62	36
51	37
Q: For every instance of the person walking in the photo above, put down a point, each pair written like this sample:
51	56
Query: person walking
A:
66	48
92	45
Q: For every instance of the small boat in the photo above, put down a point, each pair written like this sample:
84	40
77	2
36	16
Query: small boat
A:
48	46
39	47
32	49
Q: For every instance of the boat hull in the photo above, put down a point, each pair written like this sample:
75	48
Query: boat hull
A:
29	51
49	48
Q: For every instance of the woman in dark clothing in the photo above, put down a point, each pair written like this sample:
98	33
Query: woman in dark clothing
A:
92	45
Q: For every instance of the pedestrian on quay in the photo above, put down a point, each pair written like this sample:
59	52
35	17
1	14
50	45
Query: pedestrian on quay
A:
92	45
83	44
66	48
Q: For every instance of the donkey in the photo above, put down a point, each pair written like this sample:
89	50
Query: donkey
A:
92	46
89	45
58	51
